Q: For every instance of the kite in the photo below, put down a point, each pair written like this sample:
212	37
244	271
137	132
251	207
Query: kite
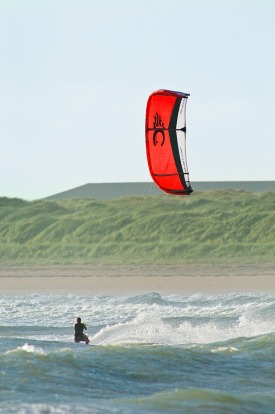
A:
165	131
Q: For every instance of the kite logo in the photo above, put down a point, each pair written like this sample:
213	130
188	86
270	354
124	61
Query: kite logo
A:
158	129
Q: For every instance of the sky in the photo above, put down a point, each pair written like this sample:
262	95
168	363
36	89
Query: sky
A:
75	76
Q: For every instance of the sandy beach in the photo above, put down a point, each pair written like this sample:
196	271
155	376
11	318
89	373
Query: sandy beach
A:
134	280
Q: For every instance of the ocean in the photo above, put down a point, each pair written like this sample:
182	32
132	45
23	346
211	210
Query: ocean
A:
148	354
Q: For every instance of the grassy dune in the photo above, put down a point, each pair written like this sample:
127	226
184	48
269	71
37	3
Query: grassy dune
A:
224	226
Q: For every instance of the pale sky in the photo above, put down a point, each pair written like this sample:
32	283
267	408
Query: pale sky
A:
75	76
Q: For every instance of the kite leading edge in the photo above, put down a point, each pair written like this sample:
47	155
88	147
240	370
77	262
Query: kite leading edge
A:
165	131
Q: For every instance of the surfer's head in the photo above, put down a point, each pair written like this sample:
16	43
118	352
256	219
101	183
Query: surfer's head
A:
78	319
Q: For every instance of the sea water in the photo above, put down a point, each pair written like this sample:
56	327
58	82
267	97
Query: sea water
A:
148	354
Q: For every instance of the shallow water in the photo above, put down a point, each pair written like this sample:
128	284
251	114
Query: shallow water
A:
148	354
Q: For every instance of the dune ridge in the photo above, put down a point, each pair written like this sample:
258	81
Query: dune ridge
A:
225	226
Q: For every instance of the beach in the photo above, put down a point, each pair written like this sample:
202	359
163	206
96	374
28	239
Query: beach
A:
135	280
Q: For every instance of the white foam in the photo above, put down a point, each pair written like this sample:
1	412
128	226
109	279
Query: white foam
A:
171	320
28	348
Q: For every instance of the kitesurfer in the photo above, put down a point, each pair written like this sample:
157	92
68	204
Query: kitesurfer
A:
79	336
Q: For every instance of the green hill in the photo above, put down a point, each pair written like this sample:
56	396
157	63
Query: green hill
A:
225	226
108	191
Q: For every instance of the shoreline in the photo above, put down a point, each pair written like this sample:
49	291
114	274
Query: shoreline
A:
134	280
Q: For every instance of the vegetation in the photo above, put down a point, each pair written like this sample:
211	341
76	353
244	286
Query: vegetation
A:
226	226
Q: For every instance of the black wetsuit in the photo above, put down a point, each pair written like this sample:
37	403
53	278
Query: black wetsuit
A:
78	330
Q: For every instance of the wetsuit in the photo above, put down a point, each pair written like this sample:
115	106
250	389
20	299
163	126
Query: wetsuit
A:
78	330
